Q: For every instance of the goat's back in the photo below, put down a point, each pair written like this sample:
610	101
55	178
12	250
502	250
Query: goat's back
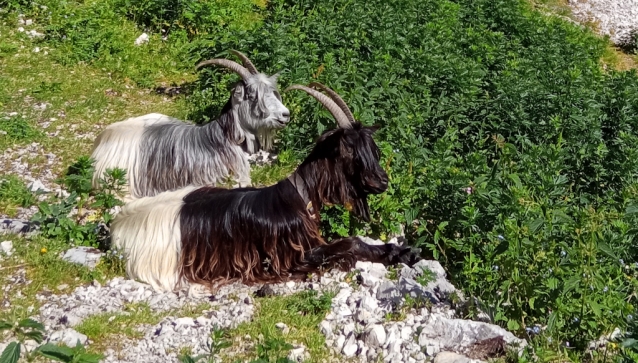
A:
118	146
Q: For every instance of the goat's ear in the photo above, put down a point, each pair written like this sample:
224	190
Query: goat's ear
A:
275	76
374	128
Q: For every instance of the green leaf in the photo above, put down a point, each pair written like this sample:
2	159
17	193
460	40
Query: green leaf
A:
632	208
595	307
54	352
571	284
89	358
603	247
560	216
536	225
30	323
11	353
35	335
516	180
513	325
629	343
4	325
186	359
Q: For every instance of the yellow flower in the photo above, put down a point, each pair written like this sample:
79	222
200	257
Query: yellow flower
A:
43	250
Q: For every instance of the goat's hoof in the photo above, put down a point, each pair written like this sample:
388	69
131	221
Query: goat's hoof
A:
405	255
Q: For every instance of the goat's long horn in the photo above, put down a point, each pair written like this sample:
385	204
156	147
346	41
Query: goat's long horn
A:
233	66
247	63
327	102
335	97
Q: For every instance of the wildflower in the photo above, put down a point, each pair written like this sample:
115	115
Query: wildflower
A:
495	268
549	339
469	190
605	289
567	344
43	250
622	262
550	270
630	317
500	236
563	253
576	320
536	329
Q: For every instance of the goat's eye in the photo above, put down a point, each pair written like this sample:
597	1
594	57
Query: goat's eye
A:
277	95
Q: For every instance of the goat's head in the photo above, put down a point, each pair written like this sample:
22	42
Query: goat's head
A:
343	167
255	97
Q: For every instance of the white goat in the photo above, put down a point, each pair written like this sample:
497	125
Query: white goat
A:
161	153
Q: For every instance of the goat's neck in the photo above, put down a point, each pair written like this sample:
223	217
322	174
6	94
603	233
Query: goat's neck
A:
305	180
229	123
302	188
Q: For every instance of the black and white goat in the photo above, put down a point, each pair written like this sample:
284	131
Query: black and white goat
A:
161	153
211	236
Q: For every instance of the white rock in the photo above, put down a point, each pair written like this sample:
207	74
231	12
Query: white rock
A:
68	336
369	303
28	22
450	357
184	322
86	256
406	333
430	265
375	336
6	247
326	329
341	340
142	39
283	327
36	185
298	354
350	347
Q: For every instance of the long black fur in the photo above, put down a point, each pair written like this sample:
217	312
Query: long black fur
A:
268	234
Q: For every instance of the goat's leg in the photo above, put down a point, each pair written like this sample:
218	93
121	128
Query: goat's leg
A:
344	253
387	254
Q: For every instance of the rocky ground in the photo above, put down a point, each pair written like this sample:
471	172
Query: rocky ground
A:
616	18
407	315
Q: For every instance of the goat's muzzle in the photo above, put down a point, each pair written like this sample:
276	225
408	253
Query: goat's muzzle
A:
284	118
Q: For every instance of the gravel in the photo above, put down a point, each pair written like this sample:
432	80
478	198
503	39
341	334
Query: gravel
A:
616	18
372	317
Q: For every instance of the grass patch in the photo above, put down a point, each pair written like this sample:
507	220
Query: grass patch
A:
301	312
13	194
107	330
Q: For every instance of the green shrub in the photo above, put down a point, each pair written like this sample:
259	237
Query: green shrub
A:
511	154
54	216
207	16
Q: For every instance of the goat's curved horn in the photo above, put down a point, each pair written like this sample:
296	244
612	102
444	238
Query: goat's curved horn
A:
247	63
335	97
327	102
233	66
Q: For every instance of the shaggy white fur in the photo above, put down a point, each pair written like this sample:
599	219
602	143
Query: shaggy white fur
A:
147	232
118	145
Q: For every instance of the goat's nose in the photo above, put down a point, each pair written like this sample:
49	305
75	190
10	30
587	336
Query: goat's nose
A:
285	115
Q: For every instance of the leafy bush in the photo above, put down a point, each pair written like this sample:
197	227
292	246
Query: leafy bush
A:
54	218
207	16
511	153
308	302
